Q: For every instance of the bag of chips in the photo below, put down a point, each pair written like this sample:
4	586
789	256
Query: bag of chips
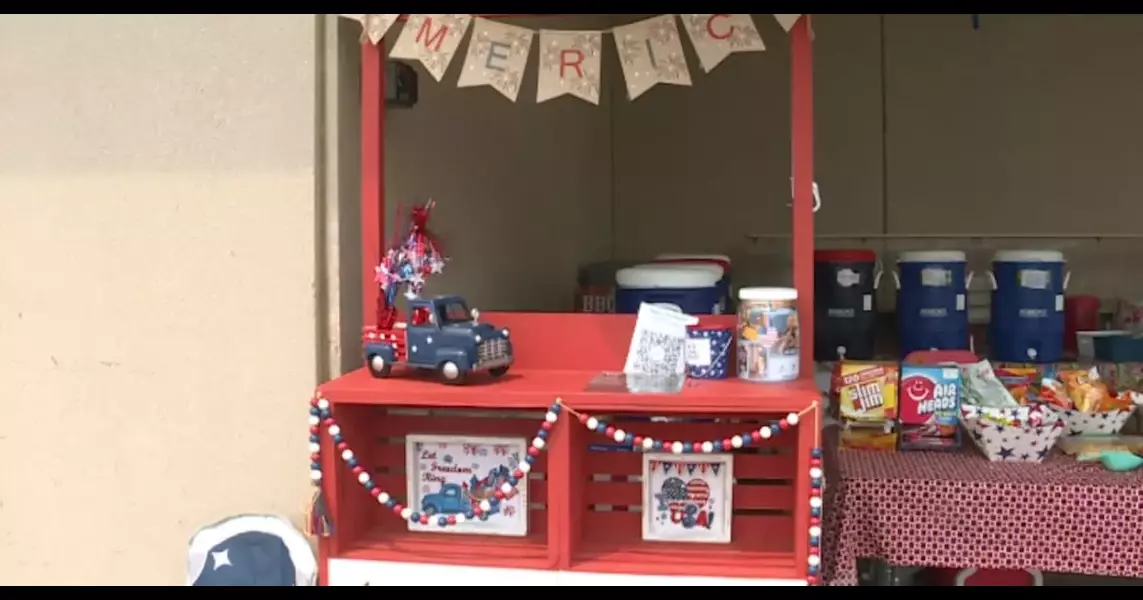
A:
1085	390
1021	382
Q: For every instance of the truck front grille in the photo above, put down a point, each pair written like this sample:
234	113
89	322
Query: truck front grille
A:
492	350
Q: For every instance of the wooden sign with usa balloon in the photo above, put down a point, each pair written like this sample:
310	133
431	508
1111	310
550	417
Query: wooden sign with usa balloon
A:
687	498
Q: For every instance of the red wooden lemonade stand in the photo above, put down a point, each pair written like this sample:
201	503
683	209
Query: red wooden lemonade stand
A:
584	519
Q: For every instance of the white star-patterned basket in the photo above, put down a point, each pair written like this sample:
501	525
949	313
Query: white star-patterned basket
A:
1020	443
1101	423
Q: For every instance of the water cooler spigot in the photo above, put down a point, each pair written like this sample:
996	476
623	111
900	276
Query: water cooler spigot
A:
841	352
1032	354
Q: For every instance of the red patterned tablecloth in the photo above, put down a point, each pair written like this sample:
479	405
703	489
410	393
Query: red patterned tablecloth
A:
958	510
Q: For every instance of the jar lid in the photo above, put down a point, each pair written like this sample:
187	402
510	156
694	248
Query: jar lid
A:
761	294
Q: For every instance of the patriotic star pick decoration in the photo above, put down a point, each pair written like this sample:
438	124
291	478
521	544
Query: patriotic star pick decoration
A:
415	256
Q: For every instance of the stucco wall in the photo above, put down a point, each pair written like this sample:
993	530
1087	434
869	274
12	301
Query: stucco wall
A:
157	277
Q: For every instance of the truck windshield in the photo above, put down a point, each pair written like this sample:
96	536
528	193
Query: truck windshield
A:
454	312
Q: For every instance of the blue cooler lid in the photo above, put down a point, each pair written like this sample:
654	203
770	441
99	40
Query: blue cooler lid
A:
669	276
719	260
1029	256
932	256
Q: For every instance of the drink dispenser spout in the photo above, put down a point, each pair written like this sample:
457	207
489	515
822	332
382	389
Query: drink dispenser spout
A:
841	352
1032	354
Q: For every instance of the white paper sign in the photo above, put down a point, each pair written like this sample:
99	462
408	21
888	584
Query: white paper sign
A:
658	344
570	63
432	40
717	36
651	53
497	55
699	352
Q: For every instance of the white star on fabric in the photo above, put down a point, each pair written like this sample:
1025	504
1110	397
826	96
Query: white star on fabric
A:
221	559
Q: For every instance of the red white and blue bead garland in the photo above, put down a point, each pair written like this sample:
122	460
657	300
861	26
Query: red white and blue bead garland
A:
647	444
321	415
813	574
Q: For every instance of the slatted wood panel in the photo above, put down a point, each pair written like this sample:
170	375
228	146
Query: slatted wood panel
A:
611	489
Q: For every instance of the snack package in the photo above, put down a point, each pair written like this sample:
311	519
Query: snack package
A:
1085	390
1121	401
929	405
981	387
1053	393
1021	382
868	436
1020	416
865	392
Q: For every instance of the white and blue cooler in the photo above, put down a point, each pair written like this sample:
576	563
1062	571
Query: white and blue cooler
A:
1028	306
716	260
932	298
693	288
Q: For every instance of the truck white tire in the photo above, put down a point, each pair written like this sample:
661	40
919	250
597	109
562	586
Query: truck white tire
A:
378	367
451	372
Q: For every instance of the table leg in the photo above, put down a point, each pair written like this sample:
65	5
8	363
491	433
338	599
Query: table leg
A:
879	573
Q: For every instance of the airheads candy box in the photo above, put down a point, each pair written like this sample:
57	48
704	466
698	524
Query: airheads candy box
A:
929	407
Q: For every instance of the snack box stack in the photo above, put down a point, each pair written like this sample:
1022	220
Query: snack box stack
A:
865	395
929	407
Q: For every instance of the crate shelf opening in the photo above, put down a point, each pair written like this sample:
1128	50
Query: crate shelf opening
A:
371	532
608	499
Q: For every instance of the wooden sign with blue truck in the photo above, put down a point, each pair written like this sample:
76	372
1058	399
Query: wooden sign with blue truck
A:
442	335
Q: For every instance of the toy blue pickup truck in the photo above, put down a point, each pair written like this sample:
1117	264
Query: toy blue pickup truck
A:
449	500
442	335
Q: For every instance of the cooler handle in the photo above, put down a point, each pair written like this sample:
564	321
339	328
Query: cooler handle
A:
1067	280
817	195
897	279
878	271
992	280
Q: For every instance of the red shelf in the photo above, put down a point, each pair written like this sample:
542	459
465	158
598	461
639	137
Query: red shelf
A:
537	389
584	502
647	558
530	552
